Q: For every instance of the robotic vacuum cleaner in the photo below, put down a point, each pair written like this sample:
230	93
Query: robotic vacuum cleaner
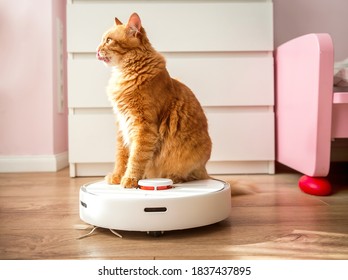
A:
157	205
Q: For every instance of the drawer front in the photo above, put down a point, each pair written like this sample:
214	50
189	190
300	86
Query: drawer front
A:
241	136
92	138
216	79
236	136
87	82
234	79
177	26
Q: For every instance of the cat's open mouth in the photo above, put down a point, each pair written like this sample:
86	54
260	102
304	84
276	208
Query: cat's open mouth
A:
103	58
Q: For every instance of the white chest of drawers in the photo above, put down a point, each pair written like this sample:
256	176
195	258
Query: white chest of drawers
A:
221	49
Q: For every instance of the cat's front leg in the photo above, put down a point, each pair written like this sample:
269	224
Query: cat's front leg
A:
121	160
113	178
134	172
141	152
129	182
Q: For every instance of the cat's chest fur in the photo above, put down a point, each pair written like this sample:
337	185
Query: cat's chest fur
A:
125	124
121	99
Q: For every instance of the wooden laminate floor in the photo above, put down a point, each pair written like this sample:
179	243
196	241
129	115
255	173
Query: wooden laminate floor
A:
270	219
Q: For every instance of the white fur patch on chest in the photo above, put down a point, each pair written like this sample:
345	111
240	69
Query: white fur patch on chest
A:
125	125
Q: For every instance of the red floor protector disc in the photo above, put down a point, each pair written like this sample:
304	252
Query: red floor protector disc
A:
315	185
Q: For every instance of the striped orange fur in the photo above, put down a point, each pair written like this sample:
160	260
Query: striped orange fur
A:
163	131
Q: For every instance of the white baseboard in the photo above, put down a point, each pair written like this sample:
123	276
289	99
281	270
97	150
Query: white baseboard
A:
38	163
213	168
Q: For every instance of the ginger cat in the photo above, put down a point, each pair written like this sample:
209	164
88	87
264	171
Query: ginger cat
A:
163	132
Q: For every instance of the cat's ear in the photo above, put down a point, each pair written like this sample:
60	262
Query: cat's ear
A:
117	21
134	25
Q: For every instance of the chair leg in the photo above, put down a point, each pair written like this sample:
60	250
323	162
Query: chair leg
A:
315	185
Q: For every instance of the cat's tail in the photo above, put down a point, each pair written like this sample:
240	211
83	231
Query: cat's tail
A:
242	188
199	174
196	174
239	187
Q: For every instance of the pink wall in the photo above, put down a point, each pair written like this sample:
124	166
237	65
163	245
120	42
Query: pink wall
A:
293	18
29	121
60	133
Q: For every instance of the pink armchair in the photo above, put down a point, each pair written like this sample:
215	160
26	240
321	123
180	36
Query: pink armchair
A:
308	113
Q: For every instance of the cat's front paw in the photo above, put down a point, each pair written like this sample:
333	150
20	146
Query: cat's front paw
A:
128	182
113	179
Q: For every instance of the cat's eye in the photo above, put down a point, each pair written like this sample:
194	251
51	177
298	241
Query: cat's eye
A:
108	40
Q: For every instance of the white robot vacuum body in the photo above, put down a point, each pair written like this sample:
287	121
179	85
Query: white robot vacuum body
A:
157	206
